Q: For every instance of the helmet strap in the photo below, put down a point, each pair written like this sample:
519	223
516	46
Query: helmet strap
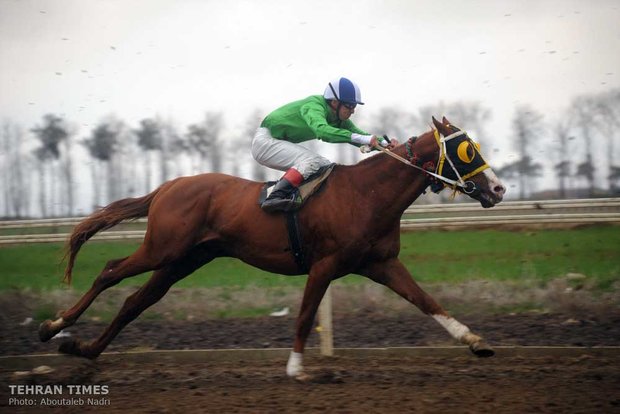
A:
334	92
338	111
338	100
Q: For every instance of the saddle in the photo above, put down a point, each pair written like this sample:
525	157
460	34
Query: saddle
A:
303	193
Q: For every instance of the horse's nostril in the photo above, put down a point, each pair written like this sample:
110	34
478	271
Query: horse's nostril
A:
499	189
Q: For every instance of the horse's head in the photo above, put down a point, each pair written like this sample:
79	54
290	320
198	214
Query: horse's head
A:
461	162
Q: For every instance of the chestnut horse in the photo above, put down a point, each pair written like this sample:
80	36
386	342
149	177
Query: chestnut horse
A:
351	226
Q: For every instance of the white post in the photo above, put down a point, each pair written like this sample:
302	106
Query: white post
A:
325	324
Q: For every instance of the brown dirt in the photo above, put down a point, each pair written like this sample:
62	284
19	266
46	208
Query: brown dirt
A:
352	385
364	317
341	384
364	329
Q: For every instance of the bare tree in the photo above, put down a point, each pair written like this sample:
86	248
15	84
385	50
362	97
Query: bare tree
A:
177	147
560	150
583	109
53	132
258	172
202	138
607	120
149	139
214	123
102	145
528	129
5	145
16	182
172	145
123	163
197	146
67	171
614	179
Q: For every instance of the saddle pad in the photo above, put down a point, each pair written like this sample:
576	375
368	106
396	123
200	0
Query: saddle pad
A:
305	190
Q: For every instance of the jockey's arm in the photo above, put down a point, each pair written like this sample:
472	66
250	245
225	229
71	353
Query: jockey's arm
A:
315	118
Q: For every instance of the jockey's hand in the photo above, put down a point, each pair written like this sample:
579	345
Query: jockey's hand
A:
385	142
388	143
374	142
393	143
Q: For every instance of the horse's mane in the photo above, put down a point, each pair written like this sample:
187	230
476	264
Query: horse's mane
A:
376	158
371	160
379	157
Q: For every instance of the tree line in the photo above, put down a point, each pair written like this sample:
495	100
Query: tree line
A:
43	166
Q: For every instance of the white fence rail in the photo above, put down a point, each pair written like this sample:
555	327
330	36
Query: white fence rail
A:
456	215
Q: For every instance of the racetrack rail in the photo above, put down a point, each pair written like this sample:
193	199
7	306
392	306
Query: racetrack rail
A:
430	216
227	355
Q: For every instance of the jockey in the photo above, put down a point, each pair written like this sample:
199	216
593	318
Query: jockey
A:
323	117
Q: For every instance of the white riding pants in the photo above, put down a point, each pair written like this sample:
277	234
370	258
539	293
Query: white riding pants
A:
282	155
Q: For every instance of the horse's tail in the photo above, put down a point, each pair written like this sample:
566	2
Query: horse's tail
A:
103	219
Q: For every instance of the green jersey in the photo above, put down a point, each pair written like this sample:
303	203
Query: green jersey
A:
309	118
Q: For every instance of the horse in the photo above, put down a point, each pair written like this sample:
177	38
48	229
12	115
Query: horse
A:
351	226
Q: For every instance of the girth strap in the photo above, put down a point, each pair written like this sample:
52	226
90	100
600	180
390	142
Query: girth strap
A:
295	240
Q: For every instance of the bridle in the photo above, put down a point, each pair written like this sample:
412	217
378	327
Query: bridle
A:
467	187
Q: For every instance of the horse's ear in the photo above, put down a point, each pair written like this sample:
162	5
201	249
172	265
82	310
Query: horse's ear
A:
445	121
441	127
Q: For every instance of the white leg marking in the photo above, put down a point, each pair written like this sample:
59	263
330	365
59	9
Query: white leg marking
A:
454	327
294	366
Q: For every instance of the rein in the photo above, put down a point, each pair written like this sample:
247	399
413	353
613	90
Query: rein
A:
468	187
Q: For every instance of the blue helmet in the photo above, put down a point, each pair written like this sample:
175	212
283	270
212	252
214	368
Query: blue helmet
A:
343	90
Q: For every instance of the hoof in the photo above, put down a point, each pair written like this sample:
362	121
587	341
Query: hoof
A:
76	348
45	331
70	347
481	349
302	377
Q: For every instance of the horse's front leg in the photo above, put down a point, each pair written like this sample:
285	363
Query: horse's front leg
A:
393	274
319	278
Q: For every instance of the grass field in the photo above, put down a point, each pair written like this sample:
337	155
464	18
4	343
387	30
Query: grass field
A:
431	256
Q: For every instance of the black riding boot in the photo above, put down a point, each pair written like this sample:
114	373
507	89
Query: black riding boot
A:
281	197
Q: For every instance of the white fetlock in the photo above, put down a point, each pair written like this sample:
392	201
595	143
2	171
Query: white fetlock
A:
294	366
470	339
454	327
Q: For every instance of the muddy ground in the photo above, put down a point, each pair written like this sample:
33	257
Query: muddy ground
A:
580	382
363	330
464	383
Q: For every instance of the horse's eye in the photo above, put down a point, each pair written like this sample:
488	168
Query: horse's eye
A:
466	152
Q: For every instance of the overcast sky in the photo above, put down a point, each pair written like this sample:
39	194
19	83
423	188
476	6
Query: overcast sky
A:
86	59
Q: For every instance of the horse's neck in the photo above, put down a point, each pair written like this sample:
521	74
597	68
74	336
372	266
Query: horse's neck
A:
390	184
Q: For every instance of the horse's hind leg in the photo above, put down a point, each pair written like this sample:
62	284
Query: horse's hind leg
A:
393	274
151	292
114	272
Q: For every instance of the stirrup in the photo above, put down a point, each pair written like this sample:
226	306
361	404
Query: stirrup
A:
274	204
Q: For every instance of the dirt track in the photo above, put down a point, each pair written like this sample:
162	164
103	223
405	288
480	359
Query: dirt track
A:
353	385
364	329
582	383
